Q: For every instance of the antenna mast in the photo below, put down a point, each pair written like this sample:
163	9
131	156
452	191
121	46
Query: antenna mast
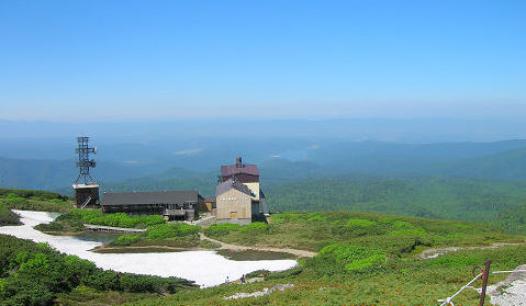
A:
85	163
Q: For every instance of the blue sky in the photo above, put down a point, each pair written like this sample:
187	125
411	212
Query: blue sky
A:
126	60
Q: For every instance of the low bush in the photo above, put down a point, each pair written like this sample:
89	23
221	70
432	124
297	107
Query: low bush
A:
163	231
339	258
221	229
7	217
255	228
357	223
127	239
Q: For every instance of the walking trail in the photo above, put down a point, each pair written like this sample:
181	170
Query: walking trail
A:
235	247
436	252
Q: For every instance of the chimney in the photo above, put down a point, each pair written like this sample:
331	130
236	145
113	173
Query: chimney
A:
239	162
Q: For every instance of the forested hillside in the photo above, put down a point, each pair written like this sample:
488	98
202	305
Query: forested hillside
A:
481	201
281	160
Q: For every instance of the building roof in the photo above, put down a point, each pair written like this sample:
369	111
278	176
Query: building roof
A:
162	197
232	184
239	168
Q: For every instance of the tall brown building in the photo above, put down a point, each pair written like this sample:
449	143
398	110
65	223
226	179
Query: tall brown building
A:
239	198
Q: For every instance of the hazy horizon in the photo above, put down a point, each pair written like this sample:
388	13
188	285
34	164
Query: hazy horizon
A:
419	130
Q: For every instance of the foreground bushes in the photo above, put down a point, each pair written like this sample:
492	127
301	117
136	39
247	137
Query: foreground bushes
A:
32	274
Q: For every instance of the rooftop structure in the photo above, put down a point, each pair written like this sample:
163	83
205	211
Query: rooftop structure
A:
245	173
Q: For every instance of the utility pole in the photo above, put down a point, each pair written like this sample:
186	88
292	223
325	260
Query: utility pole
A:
485	275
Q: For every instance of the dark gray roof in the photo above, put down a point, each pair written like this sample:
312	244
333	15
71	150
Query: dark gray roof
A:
162	197
230	170
231	184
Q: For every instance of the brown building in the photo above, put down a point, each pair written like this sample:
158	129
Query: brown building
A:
239	198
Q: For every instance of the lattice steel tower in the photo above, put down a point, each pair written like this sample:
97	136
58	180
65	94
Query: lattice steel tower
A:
86	189
84	163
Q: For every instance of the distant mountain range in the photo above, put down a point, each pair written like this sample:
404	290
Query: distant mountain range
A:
278	162
469	181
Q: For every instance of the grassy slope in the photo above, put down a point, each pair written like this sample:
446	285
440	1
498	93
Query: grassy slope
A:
343	274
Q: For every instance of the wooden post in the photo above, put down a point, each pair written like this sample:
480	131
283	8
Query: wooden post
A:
485	275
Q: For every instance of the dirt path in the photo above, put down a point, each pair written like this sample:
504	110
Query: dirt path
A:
434	253
235	247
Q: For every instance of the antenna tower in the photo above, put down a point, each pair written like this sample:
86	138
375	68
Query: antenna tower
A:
85	163
86	189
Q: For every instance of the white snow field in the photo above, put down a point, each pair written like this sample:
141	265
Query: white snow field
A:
206	268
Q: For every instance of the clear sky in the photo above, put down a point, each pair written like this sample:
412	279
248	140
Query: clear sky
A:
120	60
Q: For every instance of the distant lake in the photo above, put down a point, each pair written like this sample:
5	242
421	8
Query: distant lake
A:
206	268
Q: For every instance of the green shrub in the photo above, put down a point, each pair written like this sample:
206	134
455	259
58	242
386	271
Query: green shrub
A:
316	217
14	199
222	229
127	239
163	231
255	228
402	225
7	217
360	224
339	258
406	229
362	227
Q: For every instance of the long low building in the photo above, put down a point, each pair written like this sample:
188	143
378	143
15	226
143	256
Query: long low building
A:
173	205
